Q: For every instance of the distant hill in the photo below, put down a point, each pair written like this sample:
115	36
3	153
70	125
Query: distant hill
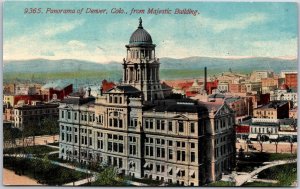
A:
246	64
191	63
64	65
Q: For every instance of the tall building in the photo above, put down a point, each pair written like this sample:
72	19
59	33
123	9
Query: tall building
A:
138	127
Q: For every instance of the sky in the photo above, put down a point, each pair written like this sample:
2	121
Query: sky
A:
227	30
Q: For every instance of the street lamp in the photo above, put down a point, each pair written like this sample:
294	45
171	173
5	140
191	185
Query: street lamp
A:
292	143
260	141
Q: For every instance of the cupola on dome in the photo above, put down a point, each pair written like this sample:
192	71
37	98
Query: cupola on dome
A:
140	36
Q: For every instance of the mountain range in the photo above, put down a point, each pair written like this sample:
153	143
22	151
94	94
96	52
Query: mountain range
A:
191	63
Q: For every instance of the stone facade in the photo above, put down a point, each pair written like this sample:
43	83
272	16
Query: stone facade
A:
140	129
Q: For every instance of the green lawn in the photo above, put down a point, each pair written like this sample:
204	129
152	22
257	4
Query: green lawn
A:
247	166
221	184
150	182
54	157
36	150
266	157
43	171
259	184
285	174
257	159
274	156
54	144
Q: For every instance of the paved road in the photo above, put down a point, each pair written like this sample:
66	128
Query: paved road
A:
80	182
241	179
39	140
283	147
10	178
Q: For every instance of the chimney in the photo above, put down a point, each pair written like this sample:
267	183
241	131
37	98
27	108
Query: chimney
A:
101	91
205	79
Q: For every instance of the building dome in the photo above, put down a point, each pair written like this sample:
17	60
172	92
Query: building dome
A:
140	36
284	87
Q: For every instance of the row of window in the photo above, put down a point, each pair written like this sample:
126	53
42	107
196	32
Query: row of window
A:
220	151
161	153
263	130
159	141
33	112
84	116
115	99
115	147
160	125
115	122
115	137
161	169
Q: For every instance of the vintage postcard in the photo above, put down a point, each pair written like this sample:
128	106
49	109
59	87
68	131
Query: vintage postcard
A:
150	93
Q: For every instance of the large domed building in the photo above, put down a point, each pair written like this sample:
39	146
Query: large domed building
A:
141	67
143	130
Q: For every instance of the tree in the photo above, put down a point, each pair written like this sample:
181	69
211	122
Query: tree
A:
8	137
260	141
108	177
50	126
36	165
30	130
241	153
292	143
276	144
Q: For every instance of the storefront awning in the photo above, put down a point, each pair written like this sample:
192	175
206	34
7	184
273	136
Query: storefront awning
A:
252	136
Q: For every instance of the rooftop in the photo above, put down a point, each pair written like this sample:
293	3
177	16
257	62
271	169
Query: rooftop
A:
184	105
78	100
57	85
232	99
274	104
37	106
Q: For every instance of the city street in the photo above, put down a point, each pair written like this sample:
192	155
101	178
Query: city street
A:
283	147
39	140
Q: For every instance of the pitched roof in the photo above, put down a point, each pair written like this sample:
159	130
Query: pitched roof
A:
57	85
78	100
125	89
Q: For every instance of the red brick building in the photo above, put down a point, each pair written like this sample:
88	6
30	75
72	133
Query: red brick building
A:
107	85
211	85
57	90
291	80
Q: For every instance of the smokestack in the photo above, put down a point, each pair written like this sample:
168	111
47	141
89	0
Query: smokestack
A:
89	91
205	78
101	91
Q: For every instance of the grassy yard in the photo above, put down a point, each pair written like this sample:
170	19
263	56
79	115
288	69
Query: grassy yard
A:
247	166
259	184
43	171
285	174
257	159
221	184
40	150
54	144
150	182
266	157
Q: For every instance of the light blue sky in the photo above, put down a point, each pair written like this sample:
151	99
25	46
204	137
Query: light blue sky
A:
225	29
